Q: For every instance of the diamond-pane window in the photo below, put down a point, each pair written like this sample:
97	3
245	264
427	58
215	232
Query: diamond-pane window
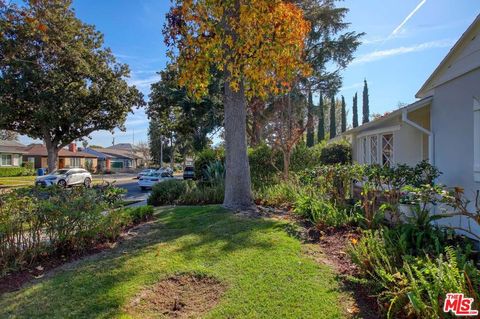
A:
373	149
387	150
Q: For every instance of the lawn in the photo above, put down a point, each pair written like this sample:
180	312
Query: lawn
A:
17	181
262	268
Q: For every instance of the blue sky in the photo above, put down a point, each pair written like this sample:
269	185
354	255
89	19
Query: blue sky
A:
404	42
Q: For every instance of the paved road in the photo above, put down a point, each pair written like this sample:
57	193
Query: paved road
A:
133	190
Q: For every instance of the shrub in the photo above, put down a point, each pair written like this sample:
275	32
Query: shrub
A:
198	194
322	212
36	222
338	153
412	285
167	192
304	157
28	165
16	171
264	165
204	158
214	173
140	213
283	193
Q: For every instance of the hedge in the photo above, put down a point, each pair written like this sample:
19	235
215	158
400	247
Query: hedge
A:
16	171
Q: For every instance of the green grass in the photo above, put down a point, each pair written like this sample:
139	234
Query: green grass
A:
263	267
17	181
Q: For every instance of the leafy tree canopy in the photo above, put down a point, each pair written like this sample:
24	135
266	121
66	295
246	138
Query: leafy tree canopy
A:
57	81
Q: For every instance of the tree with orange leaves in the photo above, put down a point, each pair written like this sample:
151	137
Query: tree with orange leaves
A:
258	45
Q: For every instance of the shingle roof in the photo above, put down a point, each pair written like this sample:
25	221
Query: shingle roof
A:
12	147
41	150
116	153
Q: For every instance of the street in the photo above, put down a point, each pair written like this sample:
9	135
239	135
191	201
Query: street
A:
133	190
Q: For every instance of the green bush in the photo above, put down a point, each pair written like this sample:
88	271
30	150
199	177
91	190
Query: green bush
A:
204	158
413	285
283	193
323	213
140	213
16	171
167	192
37	222
263	162
304	157
198	194
28	165
337	153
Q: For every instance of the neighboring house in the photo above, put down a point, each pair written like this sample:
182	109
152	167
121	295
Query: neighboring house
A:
67	158
118	160
141	159
442	127
11	153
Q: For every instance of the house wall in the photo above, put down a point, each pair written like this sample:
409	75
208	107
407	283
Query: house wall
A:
407	145
16	159
452	125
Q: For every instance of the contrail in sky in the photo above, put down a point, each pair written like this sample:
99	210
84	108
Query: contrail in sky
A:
397	29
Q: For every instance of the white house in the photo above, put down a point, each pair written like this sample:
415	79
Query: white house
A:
11	153
443	126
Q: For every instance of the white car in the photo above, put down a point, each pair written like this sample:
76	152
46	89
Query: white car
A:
147	181
65	177
168	170
145	172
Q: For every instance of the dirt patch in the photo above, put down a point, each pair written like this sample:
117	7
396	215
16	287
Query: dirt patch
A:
183	296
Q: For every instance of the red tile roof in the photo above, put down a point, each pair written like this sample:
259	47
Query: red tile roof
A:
41	150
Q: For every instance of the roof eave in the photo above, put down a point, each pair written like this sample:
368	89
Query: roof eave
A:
411	107
425	89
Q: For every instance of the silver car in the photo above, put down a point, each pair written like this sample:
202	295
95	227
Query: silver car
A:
65	177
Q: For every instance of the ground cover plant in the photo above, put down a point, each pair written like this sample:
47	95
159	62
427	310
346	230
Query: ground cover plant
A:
259	267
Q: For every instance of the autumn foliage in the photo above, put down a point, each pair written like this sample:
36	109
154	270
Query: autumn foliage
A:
259	43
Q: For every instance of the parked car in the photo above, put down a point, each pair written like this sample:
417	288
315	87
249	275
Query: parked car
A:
168	170
65	177
147	181
188	172
145	172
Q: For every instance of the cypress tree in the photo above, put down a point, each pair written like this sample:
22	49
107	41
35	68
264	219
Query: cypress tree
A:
355	110
344	115
333	124
321	121
310	128
366	107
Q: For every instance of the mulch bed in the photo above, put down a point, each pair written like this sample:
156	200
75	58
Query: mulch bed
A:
182	296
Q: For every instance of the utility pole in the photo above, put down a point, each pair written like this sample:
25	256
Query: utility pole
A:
161	151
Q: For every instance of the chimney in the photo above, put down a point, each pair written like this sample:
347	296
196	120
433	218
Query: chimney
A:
72	147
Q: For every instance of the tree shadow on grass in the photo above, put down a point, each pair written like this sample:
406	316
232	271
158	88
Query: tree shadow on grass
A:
99	285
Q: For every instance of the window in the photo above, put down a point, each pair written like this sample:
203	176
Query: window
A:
373	149
387	150
31	160
364	150
75	162
6	160
376	149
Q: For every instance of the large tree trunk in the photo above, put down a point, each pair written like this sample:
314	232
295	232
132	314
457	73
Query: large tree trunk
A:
52	159
238	195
